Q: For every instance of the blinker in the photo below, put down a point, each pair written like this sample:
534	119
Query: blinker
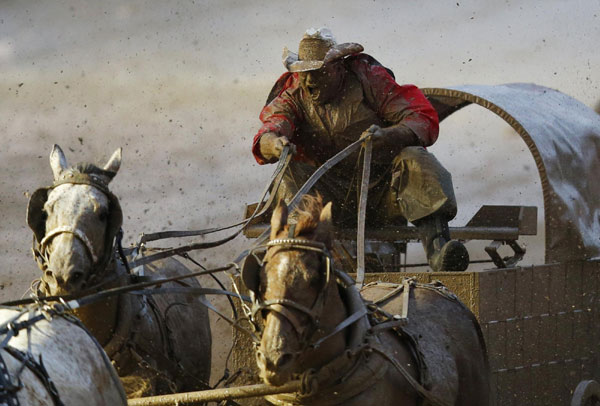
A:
36	217
251	269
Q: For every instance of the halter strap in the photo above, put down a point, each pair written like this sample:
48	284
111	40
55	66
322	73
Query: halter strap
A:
280	306
74	178
69	230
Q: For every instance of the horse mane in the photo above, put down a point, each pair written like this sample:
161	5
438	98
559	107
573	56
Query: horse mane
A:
307	214
91	169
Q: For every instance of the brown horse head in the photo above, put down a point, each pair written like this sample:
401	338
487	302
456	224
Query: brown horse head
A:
298	293
73	223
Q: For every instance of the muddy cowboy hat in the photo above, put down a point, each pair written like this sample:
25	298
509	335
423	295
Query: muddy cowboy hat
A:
317	48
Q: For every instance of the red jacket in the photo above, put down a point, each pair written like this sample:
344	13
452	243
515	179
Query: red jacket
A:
369	95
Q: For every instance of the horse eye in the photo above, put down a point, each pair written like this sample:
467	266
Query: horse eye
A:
103	215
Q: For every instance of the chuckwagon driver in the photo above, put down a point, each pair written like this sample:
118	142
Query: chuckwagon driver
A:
332	95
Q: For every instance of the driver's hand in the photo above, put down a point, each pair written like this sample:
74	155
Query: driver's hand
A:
271	146
376	133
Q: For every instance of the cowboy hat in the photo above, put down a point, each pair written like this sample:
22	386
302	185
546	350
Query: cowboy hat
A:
317	48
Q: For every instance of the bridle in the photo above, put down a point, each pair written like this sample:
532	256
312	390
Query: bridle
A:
99	261
285	307
282	306
68	230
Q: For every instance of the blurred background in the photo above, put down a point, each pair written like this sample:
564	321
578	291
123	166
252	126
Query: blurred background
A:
179	86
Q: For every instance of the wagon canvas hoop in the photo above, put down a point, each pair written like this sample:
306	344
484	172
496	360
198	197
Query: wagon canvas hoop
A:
561	152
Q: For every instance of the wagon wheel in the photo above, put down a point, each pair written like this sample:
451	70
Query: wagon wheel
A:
587	393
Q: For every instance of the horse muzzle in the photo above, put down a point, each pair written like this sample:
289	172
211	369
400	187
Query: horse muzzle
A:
68	266
275	367
68	282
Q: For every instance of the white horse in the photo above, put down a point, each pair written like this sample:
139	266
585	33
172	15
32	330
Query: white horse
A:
159	344
54	362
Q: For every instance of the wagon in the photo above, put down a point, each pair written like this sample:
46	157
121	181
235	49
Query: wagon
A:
541	322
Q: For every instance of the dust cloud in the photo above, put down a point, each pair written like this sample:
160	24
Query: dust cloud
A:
179	85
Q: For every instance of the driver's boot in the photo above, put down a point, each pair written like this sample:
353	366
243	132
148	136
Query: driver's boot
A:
443	254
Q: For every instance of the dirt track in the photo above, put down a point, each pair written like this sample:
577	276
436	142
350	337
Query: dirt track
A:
179	86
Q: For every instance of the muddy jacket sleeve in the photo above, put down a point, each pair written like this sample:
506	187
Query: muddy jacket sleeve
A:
395	104
281	115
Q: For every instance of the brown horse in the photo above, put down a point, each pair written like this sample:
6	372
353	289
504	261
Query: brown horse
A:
159	344
347	350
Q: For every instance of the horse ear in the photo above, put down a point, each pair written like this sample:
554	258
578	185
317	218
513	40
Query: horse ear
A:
114	163
323	230
58	162
278	219
326	215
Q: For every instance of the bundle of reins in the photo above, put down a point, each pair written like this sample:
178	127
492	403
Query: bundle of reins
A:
71	302
262	208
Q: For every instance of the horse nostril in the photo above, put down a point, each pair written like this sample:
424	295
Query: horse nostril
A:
48	275
283	360
75	277
261	359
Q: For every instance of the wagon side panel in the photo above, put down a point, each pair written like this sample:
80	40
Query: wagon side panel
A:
544	340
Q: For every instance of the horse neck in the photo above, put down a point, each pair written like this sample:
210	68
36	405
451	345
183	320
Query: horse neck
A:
101	317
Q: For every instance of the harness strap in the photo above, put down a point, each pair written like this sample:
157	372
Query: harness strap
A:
275	180
362	208
278	305
354	317
420	389
92	298
39	370
174	368
82	179
392	324
284	161
190	290
8	390
398	288
291	317
234	323
331	162
406	284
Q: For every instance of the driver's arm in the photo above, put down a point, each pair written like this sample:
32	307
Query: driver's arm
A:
279	118
412	119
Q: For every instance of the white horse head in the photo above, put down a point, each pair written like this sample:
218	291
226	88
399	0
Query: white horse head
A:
80	219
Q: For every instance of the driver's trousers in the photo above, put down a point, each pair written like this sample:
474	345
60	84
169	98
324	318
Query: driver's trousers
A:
414	186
